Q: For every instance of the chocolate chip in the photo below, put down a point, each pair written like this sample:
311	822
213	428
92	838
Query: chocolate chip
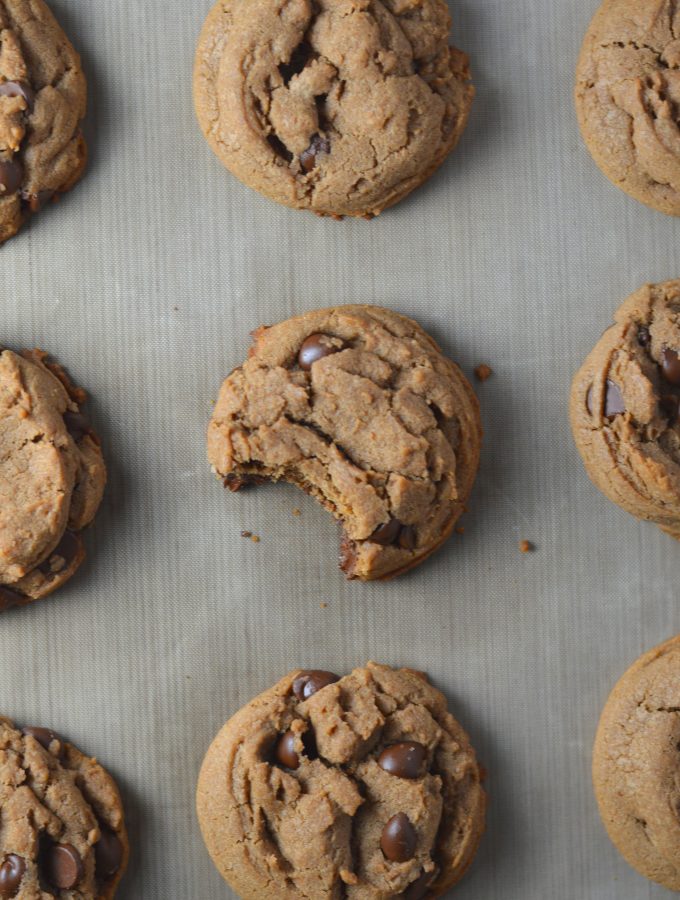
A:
77	425
9	598
44	736
308	157
386	534
68	548
399	839
11	176
311	681
62	866
408	538
316	347
418	888
670	366
643	336
613	400
236	482
12	872
108	854
405	760
285	751
35	202
670	407
19	89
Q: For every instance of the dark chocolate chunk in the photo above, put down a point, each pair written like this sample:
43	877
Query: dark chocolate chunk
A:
418	889
399	839
386	534
108	854
11	176
317	146
408	538
670	366
613	400
286	753
316	347
405	759
12	872
311	681
62	866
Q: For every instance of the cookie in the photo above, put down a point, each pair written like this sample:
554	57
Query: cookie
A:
357	406
42	102
625	403
52	477
627	93
635	765
362	787
62	828
341	107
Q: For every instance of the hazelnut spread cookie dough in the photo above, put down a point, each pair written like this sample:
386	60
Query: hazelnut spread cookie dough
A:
52	477
341	107
357	406
627	96
62	829
624	407
635	765
42	102
362	787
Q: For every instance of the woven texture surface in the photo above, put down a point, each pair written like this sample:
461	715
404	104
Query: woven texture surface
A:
146	281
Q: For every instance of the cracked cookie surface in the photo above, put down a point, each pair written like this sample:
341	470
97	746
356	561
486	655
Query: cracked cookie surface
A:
628	98
362	787
636	761
342	107
625	407
42	102
358	407
62	829
52	477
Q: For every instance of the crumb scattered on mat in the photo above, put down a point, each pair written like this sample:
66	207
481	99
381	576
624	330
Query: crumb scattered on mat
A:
526	546
482	372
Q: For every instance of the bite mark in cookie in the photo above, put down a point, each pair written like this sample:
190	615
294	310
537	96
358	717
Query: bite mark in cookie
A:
357	406
342	807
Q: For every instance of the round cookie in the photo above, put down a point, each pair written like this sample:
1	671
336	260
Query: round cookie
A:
358	407
42	102
635	765
364	787
624	407
335	106
627	93
62	828
52	477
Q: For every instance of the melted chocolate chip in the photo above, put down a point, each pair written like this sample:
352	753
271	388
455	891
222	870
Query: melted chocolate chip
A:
613	400
317	146
9	598
311	681
108	854
643	336
12	872
35	202
316	347
405	760
77	425
286	753
68	548
62	866
417	890
408	538
386	534
399	839
670	366
19	89
11	176
44	736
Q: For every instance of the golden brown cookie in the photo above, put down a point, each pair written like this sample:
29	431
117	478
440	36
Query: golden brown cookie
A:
636	762
364	787
357	406
52	477
42	102
342	107
624	407
627	95
62	829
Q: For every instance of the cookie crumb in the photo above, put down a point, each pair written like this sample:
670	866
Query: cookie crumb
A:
297	512
247	534
526	547
482	372
323	605
460	530
255	539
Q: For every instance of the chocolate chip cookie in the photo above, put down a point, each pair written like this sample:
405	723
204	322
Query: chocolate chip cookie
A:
627	95
357	406
624	407
52	476
63	833
42	102
341	107
364	787
636	762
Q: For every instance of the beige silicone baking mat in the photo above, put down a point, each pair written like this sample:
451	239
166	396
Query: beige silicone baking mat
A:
146	282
